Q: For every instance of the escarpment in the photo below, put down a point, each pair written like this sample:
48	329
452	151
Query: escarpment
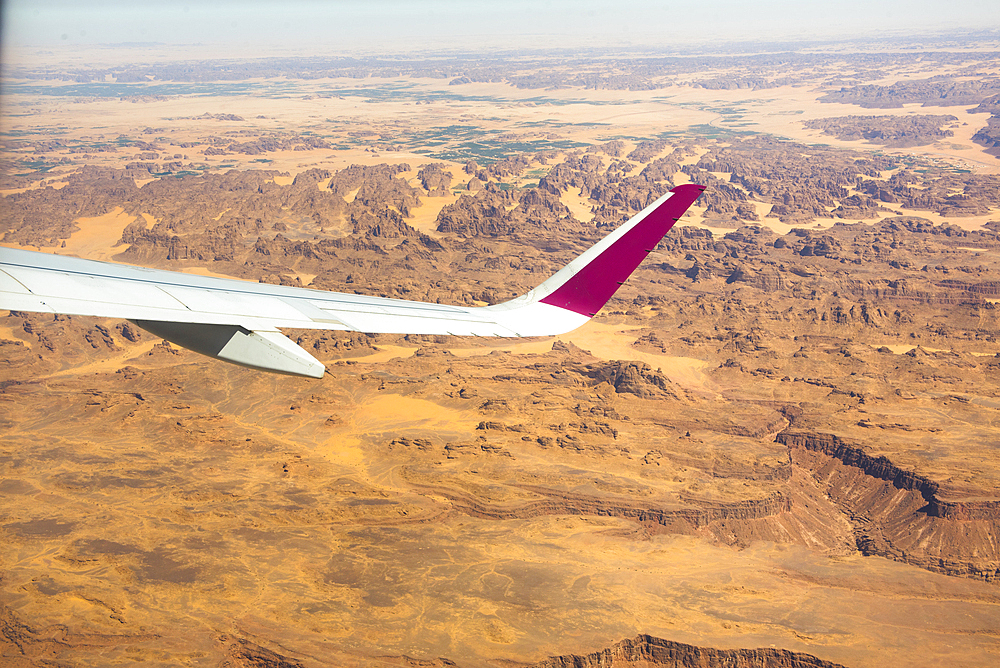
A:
682	520
898	514
645	650
876	467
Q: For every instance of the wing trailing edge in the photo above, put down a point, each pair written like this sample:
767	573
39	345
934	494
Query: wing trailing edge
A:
264	350
237	321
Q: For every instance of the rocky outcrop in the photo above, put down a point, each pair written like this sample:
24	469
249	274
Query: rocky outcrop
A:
486	213
686	239
876	467
474	217
385	223
539	210
743	83
434	180
779	173
377	185
989	136
858	207
940	91
644	651
24	645
647	150
272	142
694	515
636	378
241	653
513	165
897	513
613	148
984	288
46	215
888	131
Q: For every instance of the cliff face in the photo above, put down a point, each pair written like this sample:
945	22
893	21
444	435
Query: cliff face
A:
876	467
241	653
487	214
654	519
644	650
897	514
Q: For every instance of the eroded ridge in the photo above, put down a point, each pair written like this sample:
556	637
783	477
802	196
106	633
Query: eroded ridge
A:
645	650
897	513
653	519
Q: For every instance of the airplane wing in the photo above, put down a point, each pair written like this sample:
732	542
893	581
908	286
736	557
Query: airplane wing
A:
238	321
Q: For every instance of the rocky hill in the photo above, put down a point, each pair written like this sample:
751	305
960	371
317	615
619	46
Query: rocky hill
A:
888	131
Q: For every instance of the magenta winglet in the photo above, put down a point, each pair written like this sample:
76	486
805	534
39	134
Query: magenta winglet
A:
593	285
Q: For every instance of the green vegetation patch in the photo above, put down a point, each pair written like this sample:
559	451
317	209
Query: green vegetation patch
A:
37	167
708	131
461	142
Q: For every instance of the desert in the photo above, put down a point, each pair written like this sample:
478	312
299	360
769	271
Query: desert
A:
776	446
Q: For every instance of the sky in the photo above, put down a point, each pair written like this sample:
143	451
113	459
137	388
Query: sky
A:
337	26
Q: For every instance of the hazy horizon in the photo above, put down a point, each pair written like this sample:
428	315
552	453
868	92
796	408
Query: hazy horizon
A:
263	28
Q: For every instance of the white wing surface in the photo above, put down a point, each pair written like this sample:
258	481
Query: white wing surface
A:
239	321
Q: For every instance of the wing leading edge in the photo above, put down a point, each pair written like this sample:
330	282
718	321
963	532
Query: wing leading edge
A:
238	321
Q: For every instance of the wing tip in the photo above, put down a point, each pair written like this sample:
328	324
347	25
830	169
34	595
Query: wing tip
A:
588	288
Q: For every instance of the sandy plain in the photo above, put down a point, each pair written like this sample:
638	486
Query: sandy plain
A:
166	509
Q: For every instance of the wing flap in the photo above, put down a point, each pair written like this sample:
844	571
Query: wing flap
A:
265	350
